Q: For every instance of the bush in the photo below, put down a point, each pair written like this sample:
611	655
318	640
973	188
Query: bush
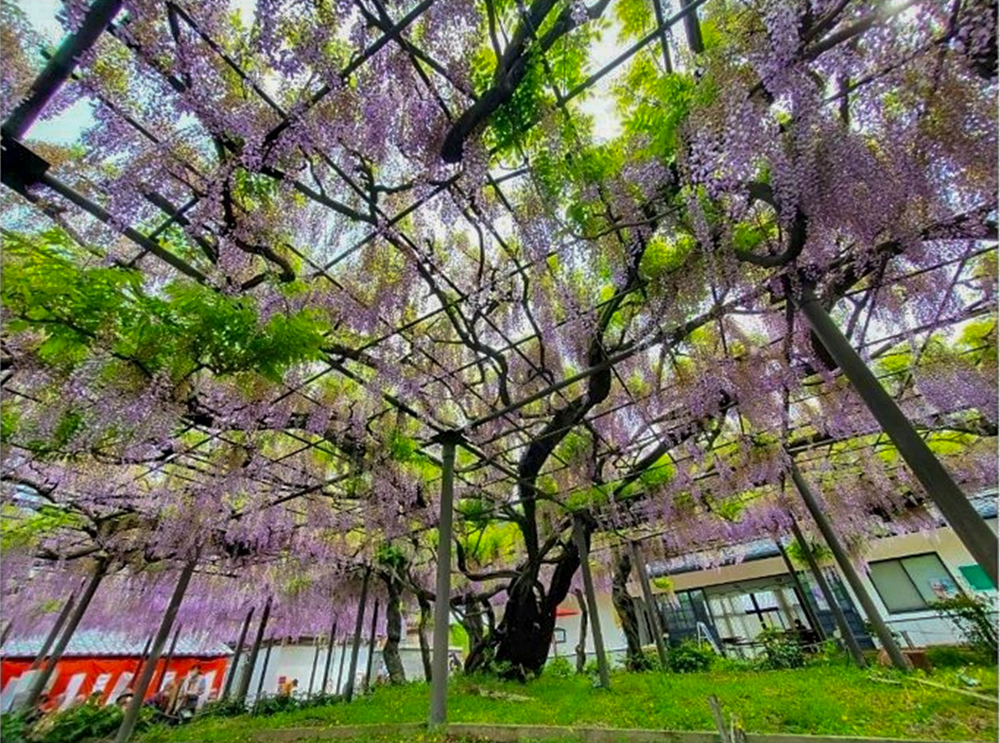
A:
13	726
827	653
690	657
560	667
269	705
647	660
974	618
952	656
223	708
81	723
781	650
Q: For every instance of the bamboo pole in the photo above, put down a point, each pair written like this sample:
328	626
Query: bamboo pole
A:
853	648
340	668
330	645
651	610
588	586
235	664
141	662
442	598
847	568
170	657
136	703
263	673
312	674
41	681
53	633
244	687
371	650
356	645
800	592
970	527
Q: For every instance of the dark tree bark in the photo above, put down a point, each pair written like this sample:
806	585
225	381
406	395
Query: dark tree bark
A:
393	628
625	606
581	645
472	621
426	613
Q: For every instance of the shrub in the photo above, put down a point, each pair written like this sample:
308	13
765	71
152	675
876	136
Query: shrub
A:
592	670
827	653
560	667
781	650
81	723
12	726
269	705
975	619
951	656
690	657
224	708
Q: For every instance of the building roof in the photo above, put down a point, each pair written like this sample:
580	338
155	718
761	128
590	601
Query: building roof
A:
95	643
760	549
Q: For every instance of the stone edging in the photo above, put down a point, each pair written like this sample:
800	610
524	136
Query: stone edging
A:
518	733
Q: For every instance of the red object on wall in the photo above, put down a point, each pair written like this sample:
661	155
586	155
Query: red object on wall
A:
67	668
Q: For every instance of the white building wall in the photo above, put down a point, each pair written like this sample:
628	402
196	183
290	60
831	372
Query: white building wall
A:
917	628
294	661
611	629
920	628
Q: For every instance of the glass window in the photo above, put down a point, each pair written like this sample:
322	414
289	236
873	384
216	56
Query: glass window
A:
912	583
930	577
894	586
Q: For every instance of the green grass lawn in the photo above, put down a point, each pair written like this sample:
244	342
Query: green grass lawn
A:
825	700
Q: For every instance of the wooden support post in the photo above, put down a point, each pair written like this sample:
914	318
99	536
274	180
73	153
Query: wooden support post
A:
588	586
352	670
141	662
138	698
800	592
312	674
235	663
244	687
442	598
263	674
170	656
847	568
330	645
371	650
970	527
340	666
42	680
850	641
651	609
53	633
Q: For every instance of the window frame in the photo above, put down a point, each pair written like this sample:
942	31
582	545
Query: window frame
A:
901	560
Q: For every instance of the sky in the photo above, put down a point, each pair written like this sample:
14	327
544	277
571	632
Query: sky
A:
66	127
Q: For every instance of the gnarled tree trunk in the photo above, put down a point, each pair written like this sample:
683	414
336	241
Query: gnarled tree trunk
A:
425	619
625	607
581	645
520	644
393	628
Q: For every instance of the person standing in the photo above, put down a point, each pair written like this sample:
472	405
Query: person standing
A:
194	688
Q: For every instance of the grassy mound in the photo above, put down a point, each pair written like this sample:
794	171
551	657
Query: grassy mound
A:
831	700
